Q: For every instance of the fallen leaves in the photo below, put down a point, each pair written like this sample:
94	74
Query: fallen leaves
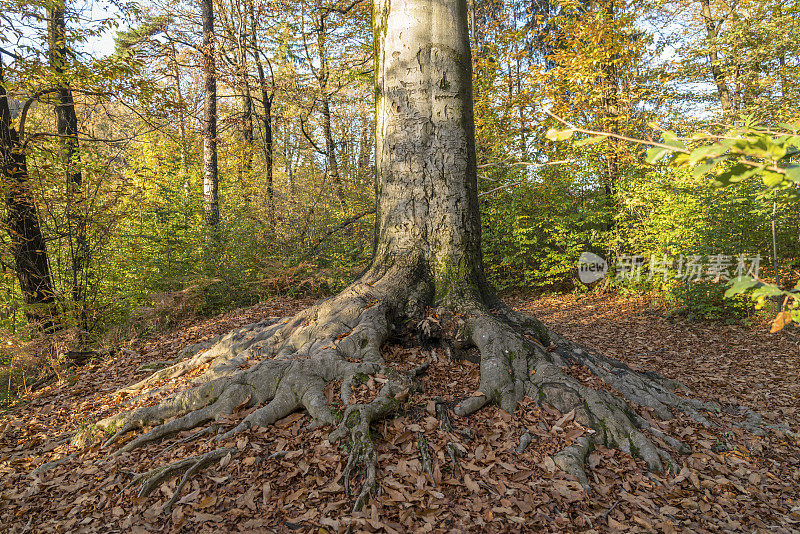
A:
286	477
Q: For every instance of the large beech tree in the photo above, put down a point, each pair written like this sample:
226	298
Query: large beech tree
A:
427	256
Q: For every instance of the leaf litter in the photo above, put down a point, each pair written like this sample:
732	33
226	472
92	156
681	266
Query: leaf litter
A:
438	473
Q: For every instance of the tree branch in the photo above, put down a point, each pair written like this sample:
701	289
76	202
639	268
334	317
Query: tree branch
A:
342	10
341	225
308	137
10	54
671	148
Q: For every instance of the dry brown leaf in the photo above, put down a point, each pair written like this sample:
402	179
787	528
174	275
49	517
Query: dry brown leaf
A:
471	485
211	500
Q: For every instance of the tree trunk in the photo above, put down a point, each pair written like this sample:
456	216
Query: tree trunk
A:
67	127
269	152
28	246
267	96
782	75
611	170
210	169
426	280
366	148
247	106
322	76
288	154
425	144
713	58
176	73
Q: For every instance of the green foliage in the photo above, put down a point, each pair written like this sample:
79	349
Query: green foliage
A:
716	194
535	230
674	212
741	154
760	293
737	154
707	300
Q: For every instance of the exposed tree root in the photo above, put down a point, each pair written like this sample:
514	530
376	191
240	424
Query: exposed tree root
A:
280	366
152	479
525	441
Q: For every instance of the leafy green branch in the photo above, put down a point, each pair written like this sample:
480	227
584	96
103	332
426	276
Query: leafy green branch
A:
734	156
762	291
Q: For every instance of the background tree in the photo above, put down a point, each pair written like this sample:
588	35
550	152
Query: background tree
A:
210	167
67	128
28	247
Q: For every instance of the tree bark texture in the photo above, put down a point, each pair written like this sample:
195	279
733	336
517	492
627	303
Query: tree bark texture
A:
28	247
210	167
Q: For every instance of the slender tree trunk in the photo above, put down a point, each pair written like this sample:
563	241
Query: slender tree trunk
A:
367	147
247	99
247	122
472	27
67	127
210	169
176	73
184	148
330	148
330	145
267	96
247	139
269	152
611	170
523	144
782	74
775	245
713	58
28	246
269	144
288	152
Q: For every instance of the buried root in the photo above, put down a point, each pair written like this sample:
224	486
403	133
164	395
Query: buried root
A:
282	365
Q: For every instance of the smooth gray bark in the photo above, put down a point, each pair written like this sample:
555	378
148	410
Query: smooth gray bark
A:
425	135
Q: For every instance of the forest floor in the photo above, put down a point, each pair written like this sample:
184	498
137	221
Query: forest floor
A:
286	478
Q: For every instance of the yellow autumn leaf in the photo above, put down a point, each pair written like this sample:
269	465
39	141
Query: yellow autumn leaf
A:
781	320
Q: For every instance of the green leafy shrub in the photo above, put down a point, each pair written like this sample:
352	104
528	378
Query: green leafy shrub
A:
706	300
535	230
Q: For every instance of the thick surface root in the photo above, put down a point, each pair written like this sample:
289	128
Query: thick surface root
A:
279	366
355	427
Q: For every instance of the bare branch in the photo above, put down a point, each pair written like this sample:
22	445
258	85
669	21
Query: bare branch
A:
345	223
